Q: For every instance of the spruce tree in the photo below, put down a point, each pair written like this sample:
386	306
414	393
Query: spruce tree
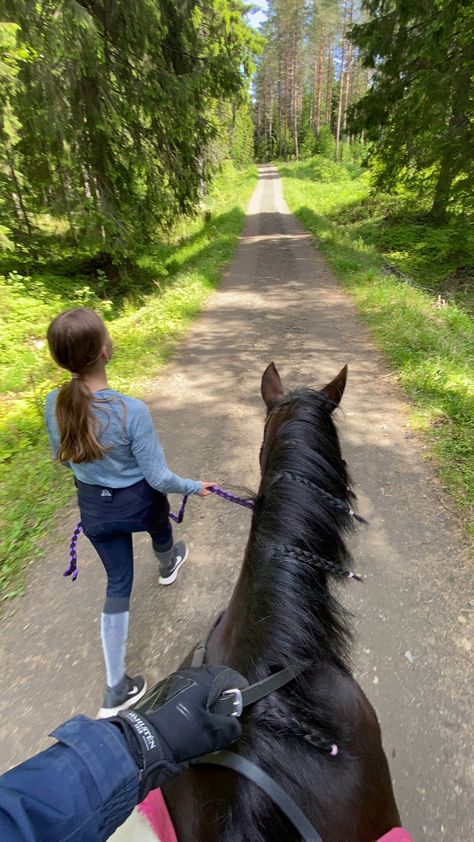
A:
419	108
116	107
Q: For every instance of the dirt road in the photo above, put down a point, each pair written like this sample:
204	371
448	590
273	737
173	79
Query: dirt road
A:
278	301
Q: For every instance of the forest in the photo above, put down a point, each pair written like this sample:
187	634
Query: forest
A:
389	80
129	134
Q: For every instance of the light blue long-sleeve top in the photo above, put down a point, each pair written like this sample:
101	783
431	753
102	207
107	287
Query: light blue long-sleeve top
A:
134	451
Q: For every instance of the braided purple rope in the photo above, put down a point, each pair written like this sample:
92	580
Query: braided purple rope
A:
232	498
179	517
72	570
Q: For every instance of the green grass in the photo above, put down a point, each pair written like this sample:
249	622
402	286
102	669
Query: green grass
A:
431	348
173	280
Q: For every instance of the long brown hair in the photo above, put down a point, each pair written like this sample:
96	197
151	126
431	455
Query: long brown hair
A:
76	339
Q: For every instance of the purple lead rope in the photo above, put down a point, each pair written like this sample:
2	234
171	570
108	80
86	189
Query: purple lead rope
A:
179	517
226	495
72	570
231	498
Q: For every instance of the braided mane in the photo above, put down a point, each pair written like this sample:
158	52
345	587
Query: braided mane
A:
296	549
303	508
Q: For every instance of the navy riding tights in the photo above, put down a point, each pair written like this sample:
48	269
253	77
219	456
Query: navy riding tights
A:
109	517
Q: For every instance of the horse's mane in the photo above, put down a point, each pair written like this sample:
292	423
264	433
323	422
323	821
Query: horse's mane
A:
302	509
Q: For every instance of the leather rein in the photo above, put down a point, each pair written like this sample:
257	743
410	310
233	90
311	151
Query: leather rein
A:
232	703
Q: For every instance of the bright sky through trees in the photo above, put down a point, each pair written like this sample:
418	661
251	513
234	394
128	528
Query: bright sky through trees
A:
258	13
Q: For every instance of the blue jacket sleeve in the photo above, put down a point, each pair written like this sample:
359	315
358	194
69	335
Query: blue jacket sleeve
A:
79	790
151	459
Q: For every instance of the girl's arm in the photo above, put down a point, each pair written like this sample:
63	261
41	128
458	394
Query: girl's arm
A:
52	427
150	457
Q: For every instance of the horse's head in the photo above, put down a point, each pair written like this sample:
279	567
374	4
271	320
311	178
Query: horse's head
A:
279	404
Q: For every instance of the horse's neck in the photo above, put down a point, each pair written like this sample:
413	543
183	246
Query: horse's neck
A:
263	626
223	644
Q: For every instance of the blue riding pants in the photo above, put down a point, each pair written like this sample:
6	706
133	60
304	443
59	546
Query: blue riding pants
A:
109	517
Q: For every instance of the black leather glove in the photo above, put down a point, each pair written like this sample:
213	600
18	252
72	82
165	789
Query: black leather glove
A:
173	724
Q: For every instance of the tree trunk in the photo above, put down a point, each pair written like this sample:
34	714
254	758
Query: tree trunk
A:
65	192
16	208
19	195
286	104
270	126
339	108
347	88
318	92
329	84
295	97
437	214
280	109
342	78
458	128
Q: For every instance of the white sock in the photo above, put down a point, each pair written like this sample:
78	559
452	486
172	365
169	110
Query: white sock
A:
114	633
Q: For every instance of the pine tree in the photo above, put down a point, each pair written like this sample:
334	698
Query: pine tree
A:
303	79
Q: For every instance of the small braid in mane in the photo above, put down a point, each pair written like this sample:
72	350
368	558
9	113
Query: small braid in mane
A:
333	501
325	564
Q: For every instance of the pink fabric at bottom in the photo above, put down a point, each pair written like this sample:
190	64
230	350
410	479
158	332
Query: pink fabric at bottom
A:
396	834
155	809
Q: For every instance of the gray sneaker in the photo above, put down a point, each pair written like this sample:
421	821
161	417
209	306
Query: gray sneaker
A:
179	556
124	695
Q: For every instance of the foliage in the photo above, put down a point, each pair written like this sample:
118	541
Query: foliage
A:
431	348
419	108
11	57
177	273
241	144
109	111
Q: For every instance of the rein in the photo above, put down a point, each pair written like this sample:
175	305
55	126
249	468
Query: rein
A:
72	569
231	703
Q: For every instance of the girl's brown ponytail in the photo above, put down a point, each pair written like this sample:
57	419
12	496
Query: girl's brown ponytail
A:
76	340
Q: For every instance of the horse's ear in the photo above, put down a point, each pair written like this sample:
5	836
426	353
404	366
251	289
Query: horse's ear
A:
334	390
272	390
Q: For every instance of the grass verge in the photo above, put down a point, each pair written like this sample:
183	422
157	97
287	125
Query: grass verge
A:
177	276
366	237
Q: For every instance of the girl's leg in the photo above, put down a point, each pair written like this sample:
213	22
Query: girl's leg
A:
170	555
163	546
116	554
114	634
162	540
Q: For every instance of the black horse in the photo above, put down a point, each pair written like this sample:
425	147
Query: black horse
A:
318	736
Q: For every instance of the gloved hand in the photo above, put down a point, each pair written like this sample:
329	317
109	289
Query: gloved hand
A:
173	724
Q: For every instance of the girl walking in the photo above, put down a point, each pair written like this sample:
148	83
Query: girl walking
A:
109	442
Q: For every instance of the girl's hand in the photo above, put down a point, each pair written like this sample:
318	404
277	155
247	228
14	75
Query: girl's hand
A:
205	486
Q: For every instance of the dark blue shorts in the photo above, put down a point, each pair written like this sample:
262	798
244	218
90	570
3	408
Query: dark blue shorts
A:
109	517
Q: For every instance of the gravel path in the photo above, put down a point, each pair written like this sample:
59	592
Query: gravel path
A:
279	300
